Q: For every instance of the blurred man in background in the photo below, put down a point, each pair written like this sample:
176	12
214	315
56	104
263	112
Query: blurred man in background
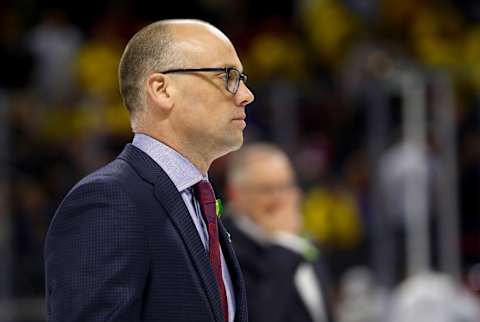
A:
284	276
139	240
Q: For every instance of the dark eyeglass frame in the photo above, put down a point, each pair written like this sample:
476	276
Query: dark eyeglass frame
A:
242	77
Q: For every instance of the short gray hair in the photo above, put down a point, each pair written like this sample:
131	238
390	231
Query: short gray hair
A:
240	160
150	50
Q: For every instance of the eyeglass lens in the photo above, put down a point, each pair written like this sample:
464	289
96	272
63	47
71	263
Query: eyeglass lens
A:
233	80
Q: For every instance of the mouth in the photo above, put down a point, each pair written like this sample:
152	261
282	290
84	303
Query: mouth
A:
240	118
240	121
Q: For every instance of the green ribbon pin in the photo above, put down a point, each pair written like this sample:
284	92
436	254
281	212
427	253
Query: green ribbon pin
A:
218	208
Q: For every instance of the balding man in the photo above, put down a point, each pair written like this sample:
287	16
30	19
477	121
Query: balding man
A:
139	240
285	279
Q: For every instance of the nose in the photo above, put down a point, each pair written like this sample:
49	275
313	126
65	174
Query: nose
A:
244	96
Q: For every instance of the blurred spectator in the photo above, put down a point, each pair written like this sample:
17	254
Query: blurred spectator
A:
333	220
332	216
54	43
318	69
285	277
329	26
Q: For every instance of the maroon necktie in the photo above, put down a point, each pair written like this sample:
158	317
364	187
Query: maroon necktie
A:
206	198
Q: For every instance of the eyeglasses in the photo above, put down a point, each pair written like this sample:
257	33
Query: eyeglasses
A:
269	189
232	81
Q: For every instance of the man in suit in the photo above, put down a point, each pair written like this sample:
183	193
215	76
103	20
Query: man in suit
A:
284	275
136	240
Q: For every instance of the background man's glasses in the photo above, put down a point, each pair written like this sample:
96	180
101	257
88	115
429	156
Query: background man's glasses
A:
232	80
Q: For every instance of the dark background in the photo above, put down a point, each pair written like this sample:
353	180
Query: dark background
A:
315	68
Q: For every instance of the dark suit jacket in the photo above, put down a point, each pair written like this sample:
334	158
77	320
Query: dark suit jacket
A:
122	247
269	272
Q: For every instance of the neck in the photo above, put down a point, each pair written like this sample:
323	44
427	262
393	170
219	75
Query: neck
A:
200	160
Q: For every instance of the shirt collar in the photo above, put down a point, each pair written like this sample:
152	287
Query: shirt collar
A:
249	228
180	170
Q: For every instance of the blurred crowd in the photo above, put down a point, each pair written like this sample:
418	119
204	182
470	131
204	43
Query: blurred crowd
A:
313	65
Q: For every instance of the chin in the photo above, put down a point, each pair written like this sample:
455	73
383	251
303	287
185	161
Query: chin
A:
233	144
238	144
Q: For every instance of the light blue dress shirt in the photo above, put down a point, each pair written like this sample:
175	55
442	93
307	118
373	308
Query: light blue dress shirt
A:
184	176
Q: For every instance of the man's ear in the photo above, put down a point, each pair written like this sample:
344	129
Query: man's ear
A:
158	90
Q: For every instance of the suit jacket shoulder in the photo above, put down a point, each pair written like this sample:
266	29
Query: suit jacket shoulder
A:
122	247
269	271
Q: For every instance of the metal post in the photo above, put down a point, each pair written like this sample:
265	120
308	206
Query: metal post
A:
377	138
447	198
416	181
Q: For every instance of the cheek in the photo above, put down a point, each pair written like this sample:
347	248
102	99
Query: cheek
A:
262	204
205	110
250	201
194	115
271	205
194	94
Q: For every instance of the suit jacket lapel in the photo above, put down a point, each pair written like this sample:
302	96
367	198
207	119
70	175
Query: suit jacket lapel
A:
235	272
171	200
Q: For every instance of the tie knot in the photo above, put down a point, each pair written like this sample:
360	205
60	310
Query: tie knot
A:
204	192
